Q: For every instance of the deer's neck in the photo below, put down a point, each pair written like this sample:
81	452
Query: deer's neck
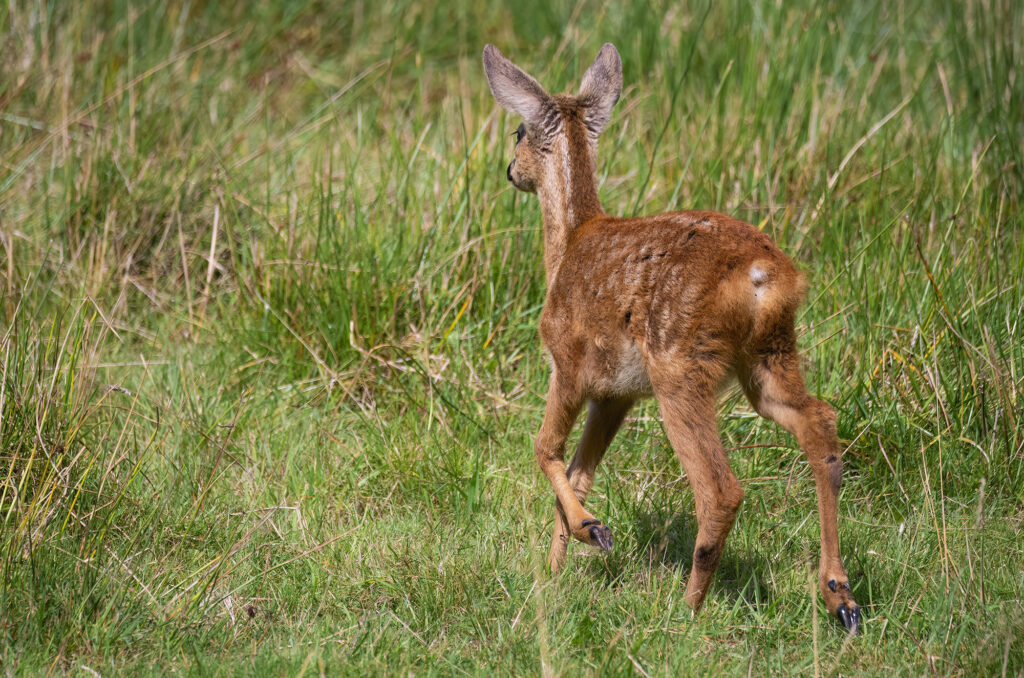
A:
568	197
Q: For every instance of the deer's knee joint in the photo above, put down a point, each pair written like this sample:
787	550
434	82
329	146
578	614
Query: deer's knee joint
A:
706	556
546	452
834	465
831	467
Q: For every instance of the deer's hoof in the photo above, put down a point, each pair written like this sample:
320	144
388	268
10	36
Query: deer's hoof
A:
600	535
850	617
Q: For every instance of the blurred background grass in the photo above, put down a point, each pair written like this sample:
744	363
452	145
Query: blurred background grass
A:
269	371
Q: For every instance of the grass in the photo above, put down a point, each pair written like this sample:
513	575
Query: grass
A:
269	371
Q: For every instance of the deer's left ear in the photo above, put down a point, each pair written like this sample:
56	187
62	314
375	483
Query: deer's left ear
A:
602	84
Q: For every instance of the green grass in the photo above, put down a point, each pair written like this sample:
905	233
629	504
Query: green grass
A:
269	370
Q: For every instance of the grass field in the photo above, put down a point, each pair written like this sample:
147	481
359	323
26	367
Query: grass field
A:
269	368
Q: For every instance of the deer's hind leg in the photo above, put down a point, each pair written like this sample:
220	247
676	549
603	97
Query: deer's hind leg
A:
604	417
775	388
688	411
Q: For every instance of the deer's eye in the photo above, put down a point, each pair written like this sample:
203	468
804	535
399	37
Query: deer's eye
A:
520	133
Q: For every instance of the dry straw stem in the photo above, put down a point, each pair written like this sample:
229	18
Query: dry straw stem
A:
323	189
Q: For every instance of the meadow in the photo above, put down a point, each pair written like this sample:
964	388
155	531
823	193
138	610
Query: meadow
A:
270	373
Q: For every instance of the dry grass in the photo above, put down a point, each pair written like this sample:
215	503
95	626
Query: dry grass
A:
268	361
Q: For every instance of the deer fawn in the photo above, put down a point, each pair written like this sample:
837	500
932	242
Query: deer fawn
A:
669	305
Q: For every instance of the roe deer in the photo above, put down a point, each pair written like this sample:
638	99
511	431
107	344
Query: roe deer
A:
669	305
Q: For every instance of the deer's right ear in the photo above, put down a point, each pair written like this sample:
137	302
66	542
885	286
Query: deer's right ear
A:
513	89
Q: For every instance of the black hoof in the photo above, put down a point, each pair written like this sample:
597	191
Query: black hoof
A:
600	535
850	618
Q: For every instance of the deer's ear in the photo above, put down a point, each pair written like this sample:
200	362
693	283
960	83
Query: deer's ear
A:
602	84
513	89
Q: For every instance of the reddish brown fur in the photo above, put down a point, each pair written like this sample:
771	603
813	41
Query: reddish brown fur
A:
670	305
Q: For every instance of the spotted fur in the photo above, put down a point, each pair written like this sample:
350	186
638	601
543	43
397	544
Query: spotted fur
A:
670	305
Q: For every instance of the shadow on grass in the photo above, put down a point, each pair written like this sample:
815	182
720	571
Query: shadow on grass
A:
666	538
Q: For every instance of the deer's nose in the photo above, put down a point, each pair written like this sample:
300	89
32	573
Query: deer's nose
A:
508	172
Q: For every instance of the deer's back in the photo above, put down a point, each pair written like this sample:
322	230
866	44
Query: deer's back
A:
630	293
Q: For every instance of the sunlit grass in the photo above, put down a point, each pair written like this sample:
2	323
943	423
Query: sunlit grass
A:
269	368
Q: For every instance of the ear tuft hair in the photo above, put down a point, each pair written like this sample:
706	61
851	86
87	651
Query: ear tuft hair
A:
602	84
513	89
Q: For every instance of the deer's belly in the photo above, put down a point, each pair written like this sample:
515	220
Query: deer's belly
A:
623	372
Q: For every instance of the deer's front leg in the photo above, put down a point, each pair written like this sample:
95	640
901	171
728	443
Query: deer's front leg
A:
604	417
563	406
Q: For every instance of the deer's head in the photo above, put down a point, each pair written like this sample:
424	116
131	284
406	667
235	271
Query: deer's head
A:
558	136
